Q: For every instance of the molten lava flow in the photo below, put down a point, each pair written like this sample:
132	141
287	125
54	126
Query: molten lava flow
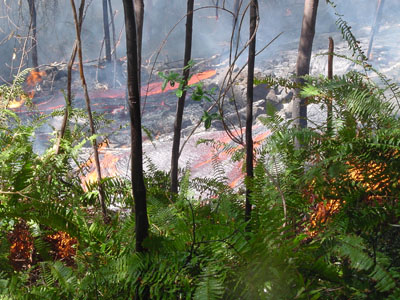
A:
156	87
224	150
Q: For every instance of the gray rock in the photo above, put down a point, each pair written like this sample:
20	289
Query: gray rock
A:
272	97
260	91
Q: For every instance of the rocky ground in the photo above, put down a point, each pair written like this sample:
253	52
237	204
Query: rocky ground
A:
159	112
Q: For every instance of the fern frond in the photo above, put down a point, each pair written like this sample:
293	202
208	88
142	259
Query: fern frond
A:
210	286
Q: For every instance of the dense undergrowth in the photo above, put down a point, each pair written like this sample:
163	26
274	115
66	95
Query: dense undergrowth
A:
325	220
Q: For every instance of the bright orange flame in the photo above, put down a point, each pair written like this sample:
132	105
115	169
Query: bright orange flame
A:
108	168
371	177
16	103
35	77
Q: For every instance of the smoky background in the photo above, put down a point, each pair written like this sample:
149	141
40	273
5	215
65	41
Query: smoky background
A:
56	31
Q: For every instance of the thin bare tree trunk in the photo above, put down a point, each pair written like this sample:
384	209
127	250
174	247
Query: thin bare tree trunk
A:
181	101
114	42
34	52
88	107
68	99
330	77
106	28
138	187
299	112
375	26
235	24
139	14
249	105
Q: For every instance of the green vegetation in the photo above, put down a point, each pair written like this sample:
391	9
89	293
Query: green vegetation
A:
324	223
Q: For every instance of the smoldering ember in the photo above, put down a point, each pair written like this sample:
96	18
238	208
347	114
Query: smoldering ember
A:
209	149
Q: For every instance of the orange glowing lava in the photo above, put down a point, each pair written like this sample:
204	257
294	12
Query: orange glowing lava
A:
156	87
235	176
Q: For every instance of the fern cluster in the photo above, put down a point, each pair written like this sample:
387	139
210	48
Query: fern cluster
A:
324	224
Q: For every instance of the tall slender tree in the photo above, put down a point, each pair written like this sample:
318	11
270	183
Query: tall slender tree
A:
299	111
138	187
235	24
139	14
329	115
106	28
249	105
181	101
32	28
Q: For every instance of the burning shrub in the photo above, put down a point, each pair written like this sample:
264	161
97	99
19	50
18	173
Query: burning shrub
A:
63	246
21	248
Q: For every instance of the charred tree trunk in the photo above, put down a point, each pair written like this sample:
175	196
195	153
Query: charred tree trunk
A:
138	187
32	28
114	42
181	102
375	26
88	107
139	14
299	112
330	77
106	28
249	106
235	26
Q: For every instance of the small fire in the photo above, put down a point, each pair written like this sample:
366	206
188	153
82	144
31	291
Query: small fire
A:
33	80
21	246
17	103
63	246
35	77
108	164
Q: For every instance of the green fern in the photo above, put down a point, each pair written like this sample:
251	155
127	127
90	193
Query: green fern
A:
210	286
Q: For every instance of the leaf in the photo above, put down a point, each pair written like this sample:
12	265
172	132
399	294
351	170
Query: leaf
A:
164	84
179	93
270	109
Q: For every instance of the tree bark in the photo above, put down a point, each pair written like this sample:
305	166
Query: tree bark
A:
88	107
139	14
249	105
235	24
32	27
181	101
106	28
329	126
138	187
299	112
114	42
